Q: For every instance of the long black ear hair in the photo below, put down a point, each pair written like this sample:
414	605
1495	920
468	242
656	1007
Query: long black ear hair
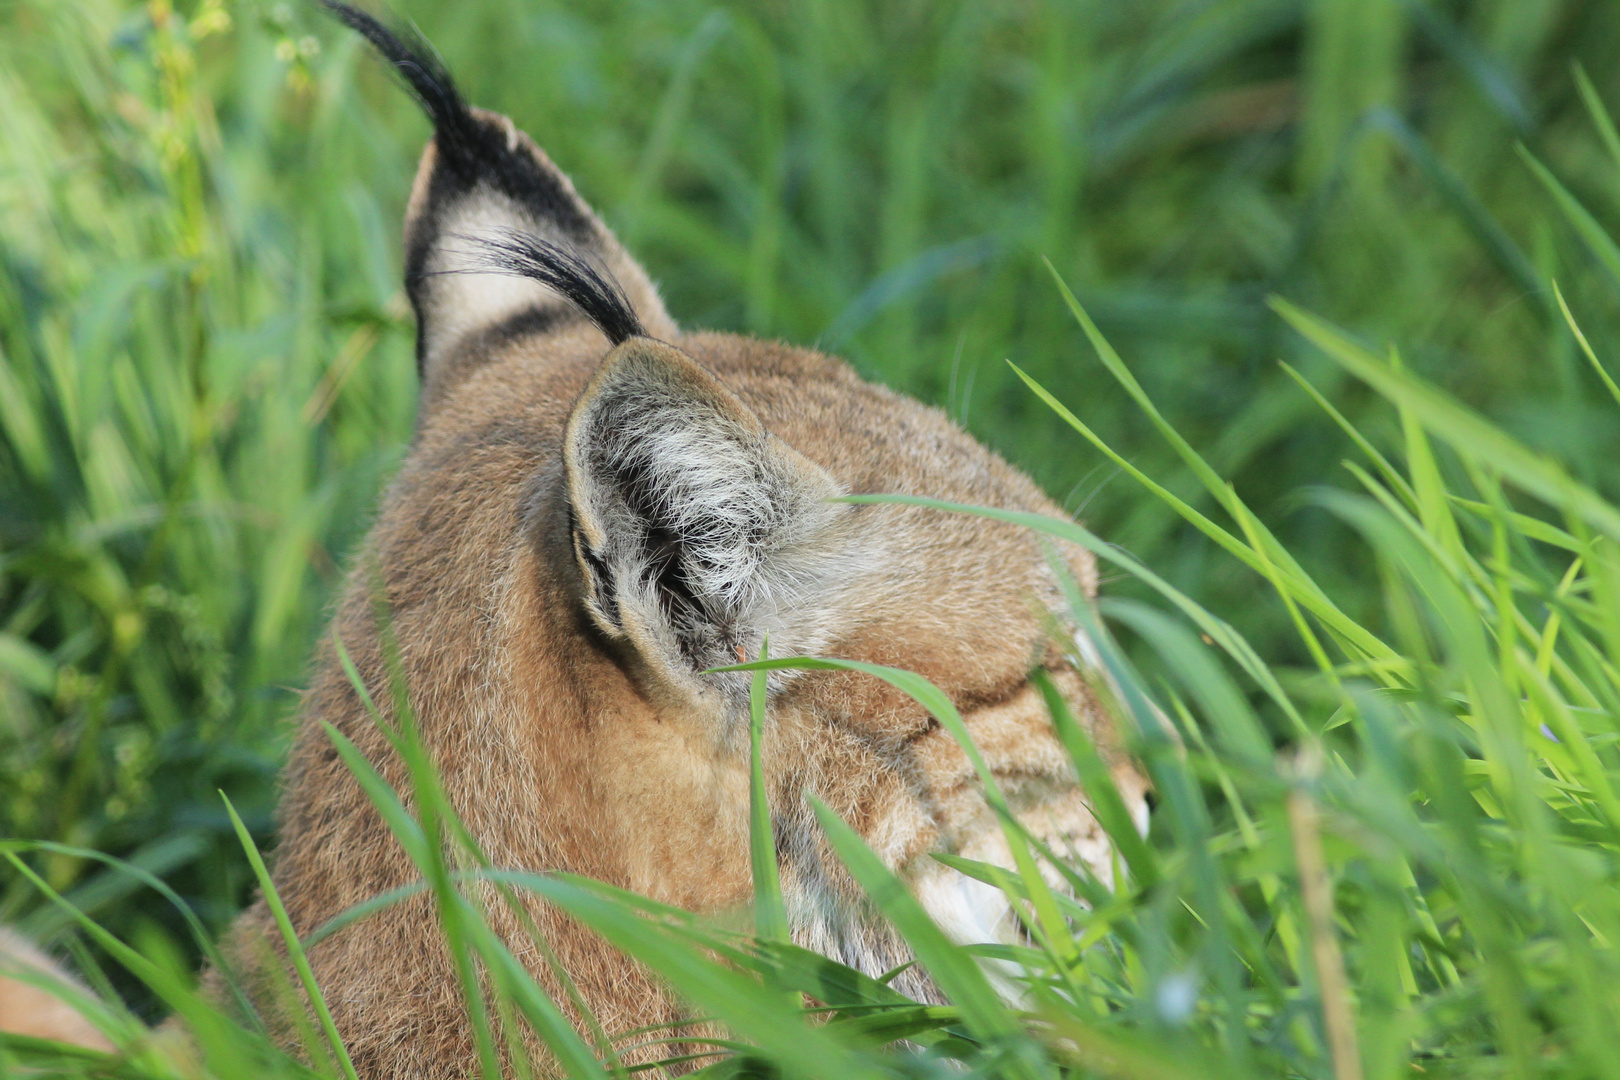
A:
471	148
594	292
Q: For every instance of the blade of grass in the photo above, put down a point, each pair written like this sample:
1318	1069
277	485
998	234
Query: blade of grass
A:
1308	593
1600	115
1386	470
940	707
289	936
797	1048
1465	431
538	1008
1224	496
1099	787
770	917
1586	346
953	969
1592	234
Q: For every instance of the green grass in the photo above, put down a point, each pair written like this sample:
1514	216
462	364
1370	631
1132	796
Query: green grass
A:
205	377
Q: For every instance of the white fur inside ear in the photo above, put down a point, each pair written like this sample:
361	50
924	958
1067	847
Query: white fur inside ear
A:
709	533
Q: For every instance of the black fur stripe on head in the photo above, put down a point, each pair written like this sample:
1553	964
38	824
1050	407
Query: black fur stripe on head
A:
595	293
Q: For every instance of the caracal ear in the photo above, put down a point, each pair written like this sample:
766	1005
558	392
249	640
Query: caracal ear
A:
697	531
480	179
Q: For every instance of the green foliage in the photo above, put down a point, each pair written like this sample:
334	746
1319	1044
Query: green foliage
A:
1387	834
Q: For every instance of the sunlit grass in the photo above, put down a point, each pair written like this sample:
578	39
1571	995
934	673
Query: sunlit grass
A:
1403	664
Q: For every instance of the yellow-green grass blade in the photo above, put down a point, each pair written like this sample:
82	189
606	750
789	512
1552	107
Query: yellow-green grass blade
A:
1055	933
1586	346
220	1041
797	1047
957	974
295	950
538	1008
1466	432
1099	787
1212	481
1598	112
1595	237
1390	474
41	930
1310	595
770	917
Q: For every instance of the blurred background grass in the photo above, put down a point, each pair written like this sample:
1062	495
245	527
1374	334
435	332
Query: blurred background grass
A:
205	370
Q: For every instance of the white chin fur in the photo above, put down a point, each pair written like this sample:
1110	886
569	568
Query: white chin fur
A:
970	912
973	913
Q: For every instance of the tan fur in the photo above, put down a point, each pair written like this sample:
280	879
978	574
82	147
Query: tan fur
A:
565	747
29	1008
557	758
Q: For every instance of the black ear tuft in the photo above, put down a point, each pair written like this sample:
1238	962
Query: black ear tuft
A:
487	199
415	62
594	292
471	148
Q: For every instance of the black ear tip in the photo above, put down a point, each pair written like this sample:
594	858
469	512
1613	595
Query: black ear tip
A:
361	22
594	291
415	62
